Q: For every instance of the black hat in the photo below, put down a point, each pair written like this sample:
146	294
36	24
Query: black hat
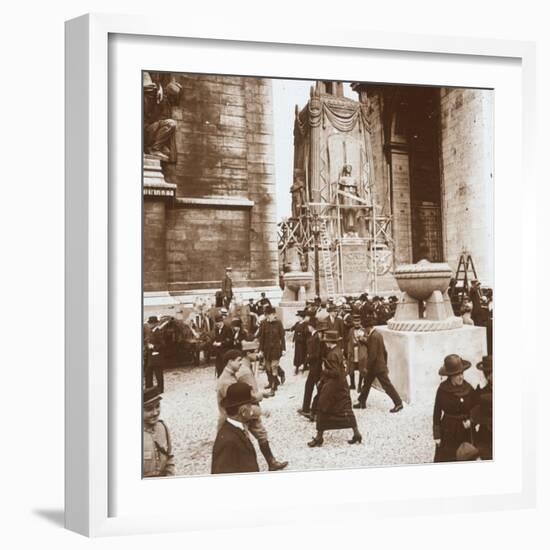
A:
237	394
370	322
218	318
332	307
454	364
151	395
356	317
269	310
301	313
486	364
230	355
331	336
236	322
153	319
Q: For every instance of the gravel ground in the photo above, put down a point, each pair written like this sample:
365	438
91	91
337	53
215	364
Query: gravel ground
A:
190	411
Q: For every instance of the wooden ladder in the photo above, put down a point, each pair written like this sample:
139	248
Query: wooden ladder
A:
327	263
465	267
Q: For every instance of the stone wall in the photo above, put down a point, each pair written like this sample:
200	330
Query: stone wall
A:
467	177
224	211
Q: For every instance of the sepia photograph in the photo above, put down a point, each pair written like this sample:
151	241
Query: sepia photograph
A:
318	273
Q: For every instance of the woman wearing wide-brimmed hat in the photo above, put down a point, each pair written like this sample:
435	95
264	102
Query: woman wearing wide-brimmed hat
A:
334	410
454	401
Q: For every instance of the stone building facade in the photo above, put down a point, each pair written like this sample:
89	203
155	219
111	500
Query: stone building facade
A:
216	204
433	148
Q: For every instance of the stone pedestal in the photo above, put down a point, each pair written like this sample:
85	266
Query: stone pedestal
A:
414	358
355	265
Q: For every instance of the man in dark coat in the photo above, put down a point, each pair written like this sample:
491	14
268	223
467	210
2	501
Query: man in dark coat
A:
478	314
222	339
300	339
233	451
377	367
313	359
272	347
227	287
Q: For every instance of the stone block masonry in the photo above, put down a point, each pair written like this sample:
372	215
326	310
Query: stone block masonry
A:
224	139
467	173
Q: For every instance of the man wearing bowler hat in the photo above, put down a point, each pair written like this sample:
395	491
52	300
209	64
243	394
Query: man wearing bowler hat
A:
233	451
377	367
158	460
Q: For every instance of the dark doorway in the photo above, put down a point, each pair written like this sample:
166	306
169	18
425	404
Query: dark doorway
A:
425	182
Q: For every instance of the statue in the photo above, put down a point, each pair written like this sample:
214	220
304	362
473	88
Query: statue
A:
160	92
297	190
348	185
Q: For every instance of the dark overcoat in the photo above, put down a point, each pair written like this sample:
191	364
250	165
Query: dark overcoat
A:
377	356
233	452
334	409
453	405
272	339
225	337
300	341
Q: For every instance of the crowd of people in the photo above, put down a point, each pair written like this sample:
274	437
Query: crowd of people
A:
337	345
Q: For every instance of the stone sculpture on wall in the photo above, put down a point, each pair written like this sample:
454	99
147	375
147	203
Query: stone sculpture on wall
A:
160	93
348	185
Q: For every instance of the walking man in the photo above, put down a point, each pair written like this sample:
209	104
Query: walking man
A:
272	347
377	367
233	451
255	426
313	360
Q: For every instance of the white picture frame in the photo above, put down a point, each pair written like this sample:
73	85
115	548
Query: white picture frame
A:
93	221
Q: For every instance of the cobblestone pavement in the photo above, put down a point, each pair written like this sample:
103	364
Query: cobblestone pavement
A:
190	411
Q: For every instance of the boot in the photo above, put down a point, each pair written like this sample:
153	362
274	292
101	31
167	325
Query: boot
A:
352	380
273	464
274	383
281	373
269	380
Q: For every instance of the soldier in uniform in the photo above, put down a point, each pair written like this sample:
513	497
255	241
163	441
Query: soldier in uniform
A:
272	347
227	288
158	460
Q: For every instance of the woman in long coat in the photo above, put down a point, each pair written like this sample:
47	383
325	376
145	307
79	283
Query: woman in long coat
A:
454	401
334	410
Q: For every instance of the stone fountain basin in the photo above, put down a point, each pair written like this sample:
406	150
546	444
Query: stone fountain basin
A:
420	280
297	279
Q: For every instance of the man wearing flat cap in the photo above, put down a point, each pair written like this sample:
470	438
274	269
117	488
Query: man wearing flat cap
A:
233	451
158	460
